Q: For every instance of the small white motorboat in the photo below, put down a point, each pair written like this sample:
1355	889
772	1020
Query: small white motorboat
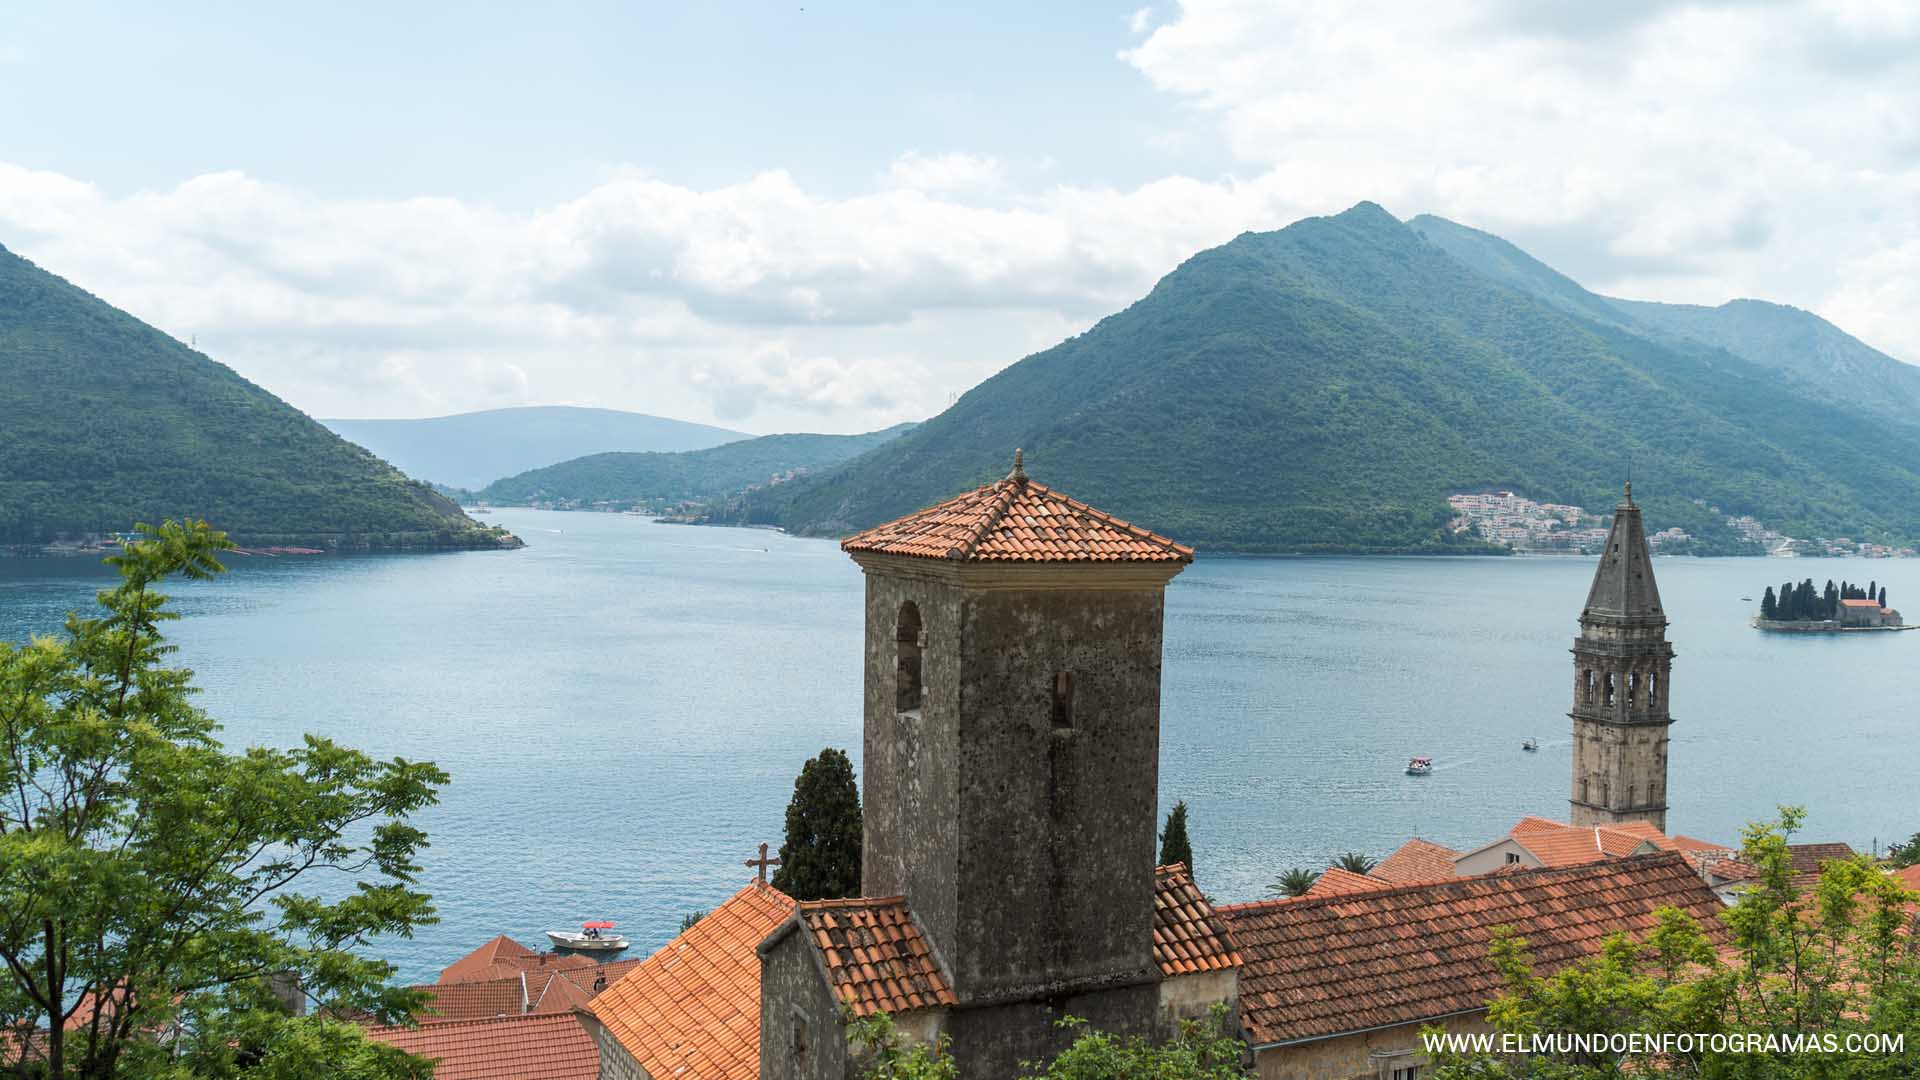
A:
593	937
1530	746
1420	766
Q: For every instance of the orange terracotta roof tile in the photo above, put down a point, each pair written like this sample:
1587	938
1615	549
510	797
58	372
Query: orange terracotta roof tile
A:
554	989
692	1009
1335	881
1909	876
1556	843
483	962
1188	935
875	956
1809	858
1016	520
551	1047
1317	967
1417	860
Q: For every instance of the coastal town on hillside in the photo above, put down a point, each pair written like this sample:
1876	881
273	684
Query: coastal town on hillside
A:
1524	525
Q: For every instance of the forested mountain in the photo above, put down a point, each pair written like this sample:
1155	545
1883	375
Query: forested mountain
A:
626	480
105	421
472	450
1807	350
1324	387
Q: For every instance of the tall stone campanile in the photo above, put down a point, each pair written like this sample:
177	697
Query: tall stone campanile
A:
1621	664
1011	756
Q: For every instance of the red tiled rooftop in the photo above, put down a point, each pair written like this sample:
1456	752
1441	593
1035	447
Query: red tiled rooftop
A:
1875	604
1555	843
550	1047
1317	967
692	1009
1016	520
1808	858
875	956
1416	860
554	989
1335	881
1188	935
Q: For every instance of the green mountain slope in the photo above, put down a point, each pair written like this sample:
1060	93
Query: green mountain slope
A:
624	480
471	450
1813	354
1324	387
105	421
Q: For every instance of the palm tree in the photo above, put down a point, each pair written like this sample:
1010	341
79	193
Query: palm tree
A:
1294	882
1355	862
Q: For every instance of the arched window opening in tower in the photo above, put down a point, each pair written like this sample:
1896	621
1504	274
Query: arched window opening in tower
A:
1062	700
906	673
1633	690
1589	682
1609	688
1653	690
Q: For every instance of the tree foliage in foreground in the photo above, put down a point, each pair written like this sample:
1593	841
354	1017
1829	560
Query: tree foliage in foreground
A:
1835	960
820	858
154	887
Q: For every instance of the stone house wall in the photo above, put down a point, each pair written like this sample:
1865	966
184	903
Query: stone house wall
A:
1369	1055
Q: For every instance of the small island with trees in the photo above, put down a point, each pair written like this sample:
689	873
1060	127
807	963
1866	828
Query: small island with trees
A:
1846	606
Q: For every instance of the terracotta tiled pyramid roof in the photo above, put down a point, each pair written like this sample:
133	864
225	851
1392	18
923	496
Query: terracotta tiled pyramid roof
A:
549	1047
1337	881
692	1009
497	959
1313	968
554	989
1016	520
875	956
1188	935
1416	860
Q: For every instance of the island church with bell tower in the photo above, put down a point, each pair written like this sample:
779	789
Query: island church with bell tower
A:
1621	666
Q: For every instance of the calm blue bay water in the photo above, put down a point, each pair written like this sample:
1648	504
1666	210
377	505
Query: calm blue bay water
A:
623	705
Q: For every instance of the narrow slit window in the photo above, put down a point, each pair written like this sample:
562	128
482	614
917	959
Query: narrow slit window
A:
1062	700
906	675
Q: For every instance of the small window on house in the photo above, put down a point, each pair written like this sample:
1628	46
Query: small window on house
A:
1406	1072
906	645
1512	858
1062	700
799	1043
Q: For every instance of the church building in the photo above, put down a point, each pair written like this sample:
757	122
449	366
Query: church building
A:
1621	664
1011	792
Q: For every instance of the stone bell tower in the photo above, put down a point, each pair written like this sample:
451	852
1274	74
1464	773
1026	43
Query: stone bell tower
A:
1621	664
1011	755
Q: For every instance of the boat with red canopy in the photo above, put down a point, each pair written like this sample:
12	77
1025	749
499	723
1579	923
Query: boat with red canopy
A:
597	936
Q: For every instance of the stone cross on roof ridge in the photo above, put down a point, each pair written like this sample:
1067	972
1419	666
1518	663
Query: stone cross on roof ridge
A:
762	863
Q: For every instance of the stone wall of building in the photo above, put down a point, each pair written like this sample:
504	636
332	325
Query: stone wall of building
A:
910	758
992	1042
1371	1055
615	1062
1057	842
801	1036
1192	997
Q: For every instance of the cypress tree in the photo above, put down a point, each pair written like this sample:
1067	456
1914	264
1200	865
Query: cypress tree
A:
1767	610
820	858
1883	596
1174	846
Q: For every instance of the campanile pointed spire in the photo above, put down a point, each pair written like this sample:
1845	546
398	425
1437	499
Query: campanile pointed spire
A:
1623	585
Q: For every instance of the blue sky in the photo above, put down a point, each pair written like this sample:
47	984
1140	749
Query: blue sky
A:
834	216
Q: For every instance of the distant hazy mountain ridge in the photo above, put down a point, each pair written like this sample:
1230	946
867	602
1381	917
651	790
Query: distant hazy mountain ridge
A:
656	479
1326	386
105	421
472	450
